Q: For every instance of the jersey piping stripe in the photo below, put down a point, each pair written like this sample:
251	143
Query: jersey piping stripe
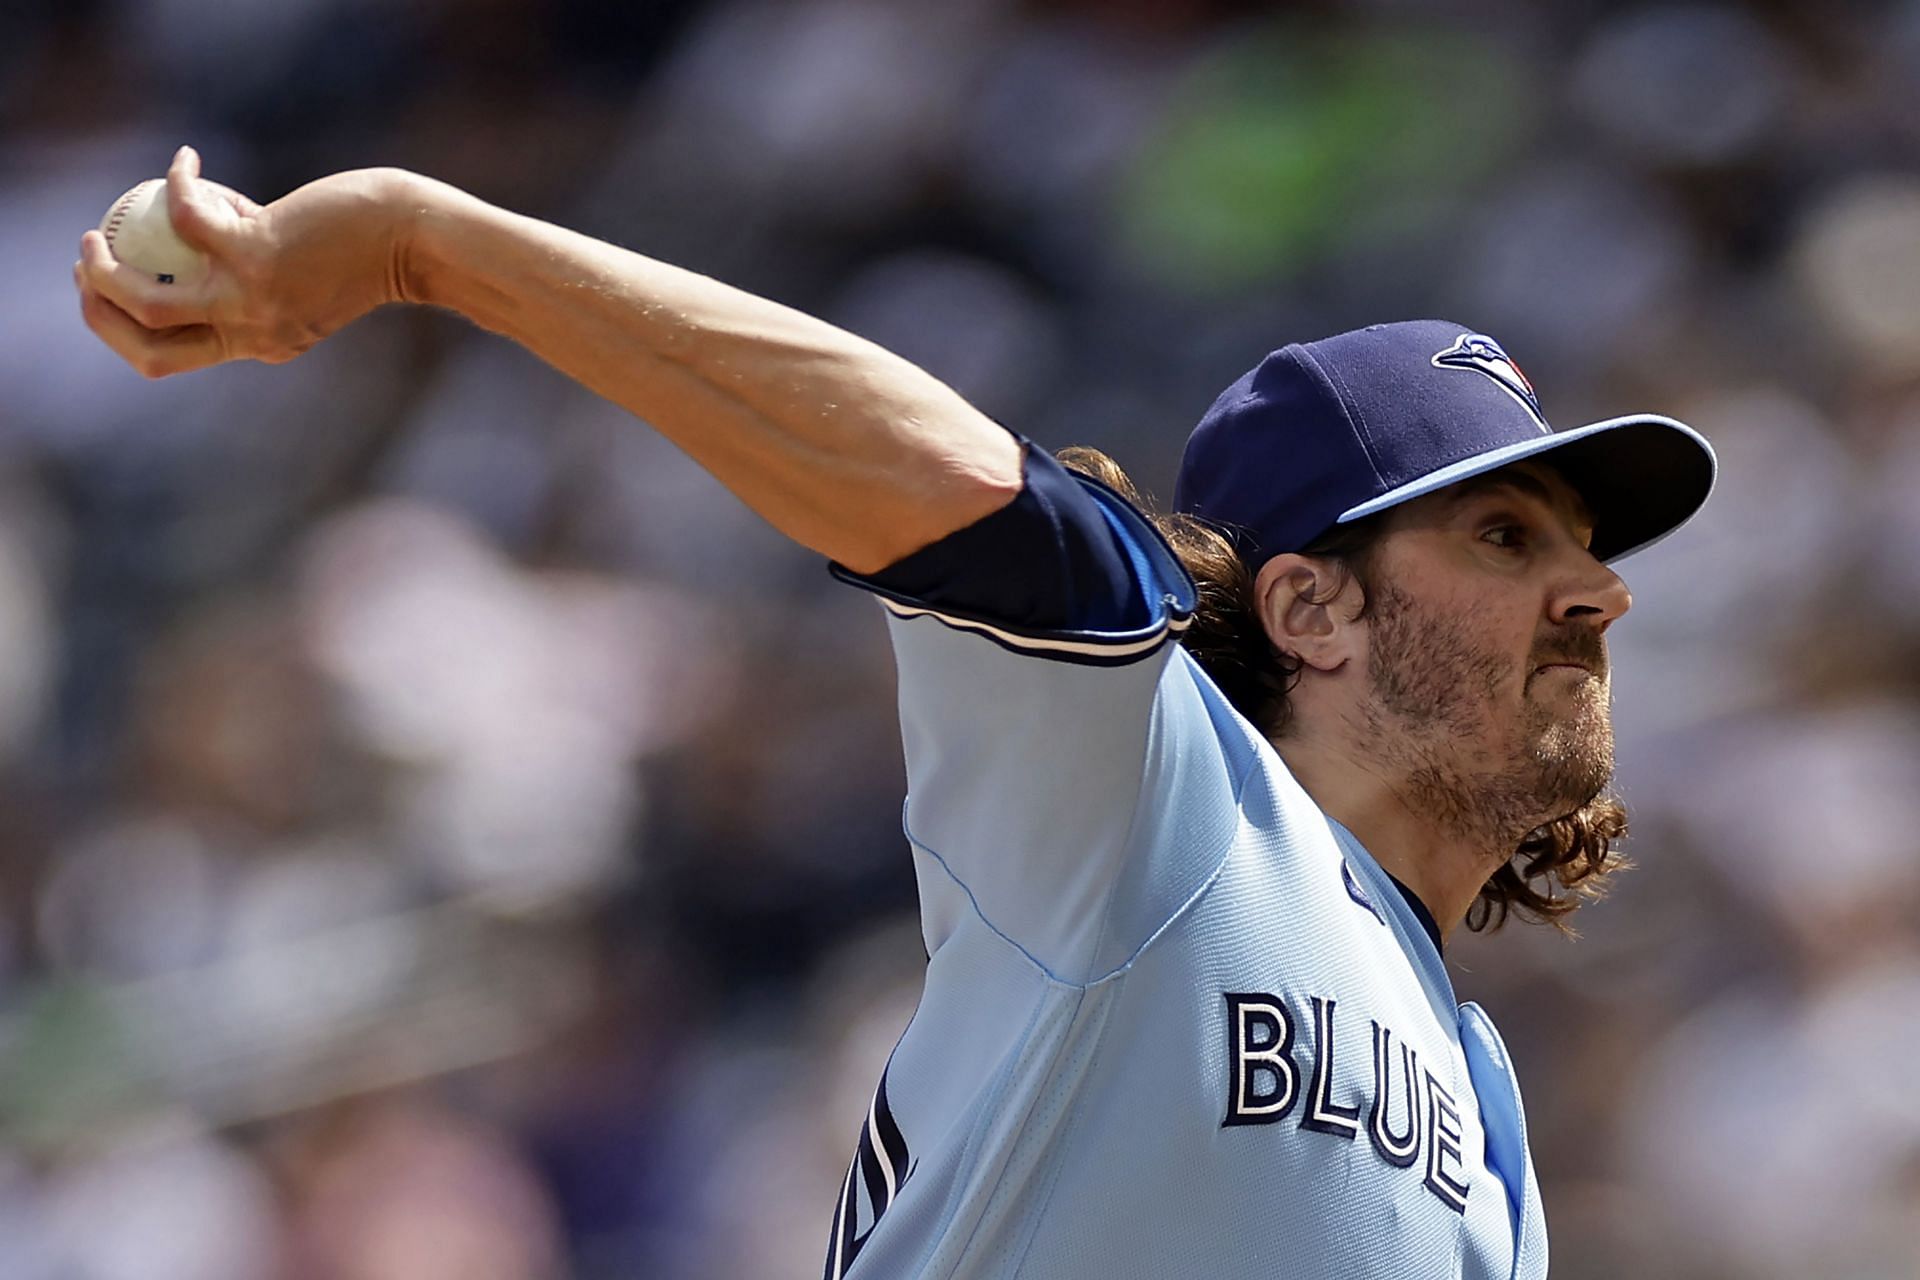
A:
881	1162
880	1148
891	1142
843	1224
1048	644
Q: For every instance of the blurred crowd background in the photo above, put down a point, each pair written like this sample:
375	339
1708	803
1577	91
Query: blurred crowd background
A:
444	835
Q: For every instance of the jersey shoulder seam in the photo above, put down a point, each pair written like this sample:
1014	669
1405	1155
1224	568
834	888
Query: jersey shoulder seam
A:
1200	890
1127	847
906	826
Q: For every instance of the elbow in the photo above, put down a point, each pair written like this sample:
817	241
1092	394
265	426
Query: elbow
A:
924	519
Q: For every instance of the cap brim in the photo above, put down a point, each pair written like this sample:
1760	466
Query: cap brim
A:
1642	477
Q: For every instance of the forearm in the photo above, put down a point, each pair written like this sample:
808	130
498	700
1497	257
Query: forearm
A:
841	445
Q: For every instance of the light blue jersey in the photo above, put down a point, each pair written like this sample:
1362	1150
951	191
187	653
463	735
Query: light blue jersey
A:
1177	1021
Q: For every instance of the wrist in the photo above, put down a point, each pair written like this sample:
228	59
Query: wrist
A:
418	211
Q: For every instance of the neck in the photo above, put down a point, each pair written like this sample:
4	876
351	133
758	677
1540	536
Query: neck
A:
1414	822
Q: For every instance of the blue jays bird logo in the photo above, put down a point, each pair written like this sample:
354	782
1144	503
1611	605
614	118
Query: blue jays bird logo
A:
1482	354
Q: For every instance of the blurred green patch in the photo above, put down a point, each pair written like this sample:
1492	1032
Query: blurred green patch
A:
66	1068
1291	144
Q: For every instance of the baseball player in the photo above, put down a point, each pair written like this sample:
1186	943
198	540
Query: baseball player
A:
1185	1010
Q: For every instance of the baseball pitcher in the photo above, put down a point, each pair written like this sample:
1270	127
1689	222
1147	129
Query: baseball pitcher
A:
1194	800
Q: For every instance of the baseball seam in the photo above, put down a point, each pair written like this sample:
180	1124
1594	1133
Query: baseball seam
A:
118	214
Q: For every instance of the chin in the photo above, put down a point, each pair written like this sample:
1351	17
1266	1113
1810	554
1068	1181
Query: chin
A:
1574	764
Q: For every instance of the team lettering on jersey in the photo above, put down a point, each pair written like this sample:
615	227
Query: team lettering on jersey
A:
1409	1120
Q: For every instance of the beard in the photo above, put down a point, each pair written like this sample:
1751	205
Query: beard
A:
1442	717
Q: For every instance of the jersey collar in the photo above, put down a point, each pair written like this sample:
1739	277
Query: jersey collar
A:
1411	923
1420	912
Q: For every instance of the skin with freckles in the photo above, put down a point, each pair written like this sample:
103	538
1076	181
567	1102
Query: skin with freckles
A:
1469	701
841	445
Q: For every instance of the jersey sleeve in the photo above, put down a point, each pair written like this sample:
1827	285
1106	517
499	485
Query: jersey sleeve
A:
1067	784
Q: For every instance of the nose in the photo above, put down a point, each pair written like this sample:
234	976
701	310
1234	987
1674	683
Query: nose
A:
1591	593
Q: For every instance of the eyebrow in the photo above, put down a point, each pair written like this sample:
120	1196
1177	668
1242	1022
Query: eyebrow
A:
1521	482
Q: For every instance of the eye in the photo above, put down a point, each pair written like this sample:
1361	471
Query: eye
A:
1506	535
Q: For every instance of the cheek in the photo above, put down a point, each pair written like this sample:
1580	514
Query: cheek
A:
1441	660
1495	644
1513	633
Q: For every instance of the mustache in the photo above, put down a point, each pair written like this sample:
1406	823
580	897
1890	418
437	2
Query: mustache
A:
1578	645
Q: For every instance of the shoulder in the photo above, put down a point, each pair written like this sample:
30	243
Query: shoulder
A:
1068	570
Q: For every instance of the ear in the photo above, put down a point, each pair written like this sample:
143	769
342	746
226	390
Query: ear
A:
1307	606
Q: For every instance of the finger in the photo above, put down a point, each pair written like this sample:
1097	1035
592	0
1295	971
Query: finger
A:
189	161
199	215
135	292
152	354
242	205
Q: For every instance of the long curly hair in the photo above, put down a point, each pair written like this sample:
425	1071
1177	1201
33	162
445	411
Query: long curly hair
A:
1556	866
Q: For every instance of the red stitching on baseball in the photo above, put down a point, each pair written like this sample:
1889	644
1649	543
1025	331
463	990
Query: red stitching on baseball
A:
118	213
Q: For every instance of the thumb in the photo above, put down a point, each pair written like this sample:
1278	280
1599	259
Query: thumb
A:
200	217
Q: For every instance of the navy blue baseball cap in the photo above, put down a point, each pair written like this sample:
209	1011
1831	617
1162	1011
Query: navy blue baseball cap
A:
1323	433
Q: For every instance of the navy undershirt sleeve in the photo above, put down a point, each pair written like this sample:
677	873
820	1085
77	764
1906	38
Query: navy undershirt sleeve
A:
1048	560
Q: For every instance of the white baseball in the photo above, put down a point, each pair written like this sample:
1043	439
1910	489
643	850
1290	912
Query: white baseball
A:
141	235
